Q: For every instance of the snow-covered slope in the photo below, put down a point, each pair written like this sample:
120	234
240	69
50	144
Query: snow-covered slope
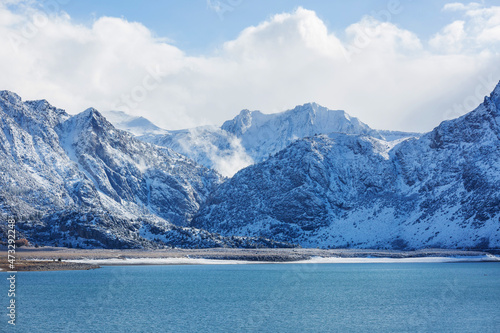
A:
209	146
81	182
252	136
339	190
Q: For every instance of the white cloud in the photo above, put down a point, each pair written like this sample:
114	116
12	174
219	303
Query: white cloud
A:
458	6
485	23
482	25
383	74
451	38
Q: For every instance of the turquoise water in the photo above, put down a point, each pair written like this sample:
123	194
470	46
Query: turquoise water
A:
407	297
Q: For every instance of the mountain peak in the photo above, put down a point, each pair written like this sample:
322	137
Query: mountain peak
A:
39	103
239	124
91	112
309	106
93	118
45	111
42	105
314	108
495	95
491	104
40	111
11	97
244	113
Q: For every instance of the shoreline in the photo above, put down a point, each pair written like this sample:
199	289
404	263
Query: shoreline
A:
56	258
313	260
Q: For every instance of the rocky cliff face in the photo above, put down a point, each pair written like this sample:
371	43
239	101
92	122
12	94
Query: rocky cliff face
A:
356	190
127	170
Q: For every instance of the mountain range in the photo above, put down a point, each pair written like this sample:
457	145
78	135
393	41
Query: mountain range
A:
78	181
252	136
309	176
356	190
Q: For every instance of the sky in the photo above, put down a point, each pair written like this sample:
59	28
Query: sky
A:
400	65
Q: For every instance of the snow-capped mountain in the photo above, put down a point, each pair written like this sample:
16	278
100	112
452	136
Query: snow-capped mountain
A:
331	181
133	124
252	136
338	190
76	180
264	134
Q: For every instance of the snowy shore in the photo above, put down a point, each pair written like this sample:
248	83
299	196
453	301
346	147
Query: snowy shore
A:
314	260
54	258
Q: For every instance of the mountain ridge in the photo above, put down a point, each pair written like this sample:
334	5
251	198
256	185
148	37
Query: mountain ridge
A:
251	136
78	181
343	190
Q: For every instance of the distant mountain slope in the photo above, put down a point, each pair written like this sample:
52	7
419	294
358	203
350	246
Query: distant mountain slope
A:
81	182
338	190
253	136
133	124
388	135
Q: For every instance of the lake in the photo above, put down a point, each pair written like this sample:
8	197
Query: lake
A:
397	297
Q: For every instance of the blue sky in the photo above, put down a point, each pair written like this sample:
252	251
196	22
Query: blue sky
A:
197	28
401	65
